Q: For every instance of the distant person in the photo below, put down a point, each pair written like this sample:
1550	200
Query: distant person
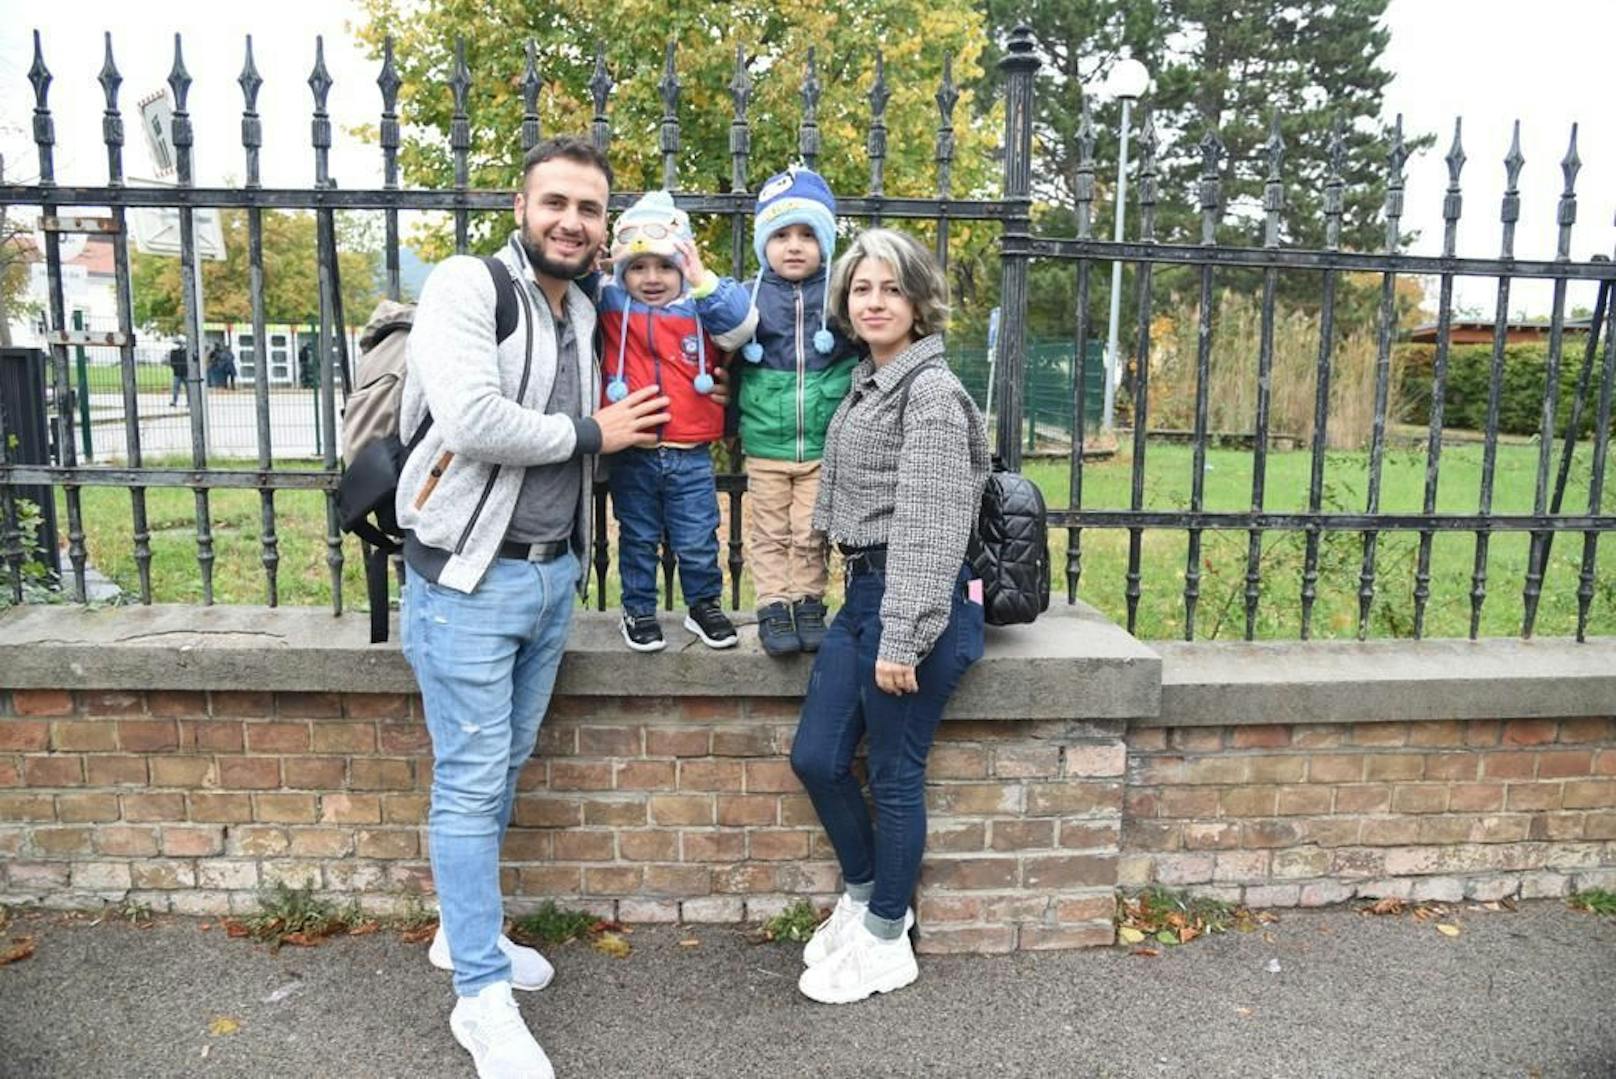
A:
308	375
179	365
227	366
221	367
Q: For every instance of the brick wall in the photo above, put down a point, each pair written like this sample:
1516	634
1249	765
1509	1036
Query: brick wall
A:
643	809
1319	813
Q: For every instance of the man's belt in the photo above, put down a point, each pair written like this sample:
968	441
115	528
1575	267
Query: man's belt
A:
548	551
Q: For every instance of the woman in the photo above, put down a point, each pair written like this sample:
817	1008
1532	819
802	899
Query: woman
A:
905	461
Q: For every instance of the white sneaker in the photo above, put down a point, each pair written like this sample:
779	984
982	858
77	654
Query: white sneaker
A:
529	969
836	930
866	964
490	1027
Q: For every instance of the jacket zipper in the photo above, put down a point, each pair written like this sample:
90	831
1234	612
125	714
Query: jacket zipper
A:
802	378
656	357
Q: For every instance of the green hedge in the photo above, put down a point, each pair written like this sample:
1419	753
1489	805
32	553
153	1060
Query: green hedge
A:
1520	404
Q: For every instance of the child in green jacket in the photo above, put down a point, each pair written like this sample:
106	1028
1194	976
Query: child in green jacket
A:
797	371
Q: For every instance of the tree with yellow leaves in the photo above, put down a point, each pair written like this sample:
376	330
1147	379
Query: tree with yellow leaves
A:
913	37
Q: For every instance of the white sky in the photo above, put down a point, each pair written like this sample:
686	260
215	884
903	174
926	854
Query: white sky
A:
1494	61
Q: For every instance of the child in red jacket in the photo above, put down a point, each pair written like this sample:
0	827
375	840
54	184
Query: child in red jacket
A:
668	321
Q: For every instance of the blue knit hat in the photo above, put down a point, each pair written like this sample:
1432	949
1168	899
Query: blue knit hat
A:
798	196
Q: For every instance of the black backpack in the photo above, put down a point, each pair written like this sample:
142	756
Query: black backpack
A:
369	484
1009	548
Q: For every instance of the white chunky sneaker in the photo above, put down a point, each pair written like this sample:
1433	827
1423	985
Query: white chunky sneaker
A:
490	1027
529	969
866	964
835	931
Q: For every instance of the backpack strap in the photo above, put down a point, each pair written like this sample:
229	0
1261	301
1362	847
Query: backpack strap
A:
504	298
904	385
505	316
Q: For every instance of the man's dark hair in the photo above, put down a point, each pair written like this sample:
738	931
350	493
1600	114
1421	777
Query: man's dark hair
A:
570	147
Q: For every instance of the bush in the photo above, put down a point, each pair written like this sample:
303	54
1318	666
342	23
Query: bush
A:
1520	400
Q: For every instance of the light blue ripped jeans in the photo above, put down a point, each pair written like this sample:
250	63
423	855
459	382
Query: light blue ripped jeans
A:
486	663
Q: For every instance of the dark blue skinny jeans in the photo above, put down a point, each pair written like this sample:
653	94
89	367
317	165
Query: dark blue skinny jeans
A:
665	492
843	705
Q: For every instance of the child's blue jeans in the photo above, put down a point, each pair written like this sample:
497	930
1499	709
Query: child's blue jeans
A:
665	492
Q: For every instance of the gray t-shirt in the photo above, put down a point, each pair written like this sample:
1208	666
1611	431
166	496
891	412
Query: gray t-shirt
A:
549	496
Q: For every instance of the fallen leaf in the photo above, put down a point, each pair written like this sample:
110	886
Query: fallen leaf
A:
302	940
223	1026
205	926
363	929
1389	905
1447	930
1187	934
420	934
1167	936
612	944
236	929
604	926
1130	935
1244	1013
1146	952
20	948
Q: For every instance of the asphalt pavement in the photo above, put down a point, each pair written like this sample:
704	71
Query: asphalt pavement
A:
1521	994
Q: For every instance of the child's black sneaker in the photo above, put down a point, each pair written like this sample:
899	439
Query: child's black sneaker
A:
708	621
642	633
775	631
808	614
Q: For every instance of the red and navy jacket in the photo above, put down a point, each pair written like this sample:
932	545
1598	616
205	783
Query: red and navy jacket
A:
669	346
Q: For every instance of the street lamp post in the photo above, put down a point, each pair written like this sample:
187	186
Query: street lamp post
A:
1128	82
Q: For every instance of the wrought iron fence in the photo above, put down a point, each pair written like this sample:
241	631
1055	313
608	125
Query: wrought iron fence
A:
1012	212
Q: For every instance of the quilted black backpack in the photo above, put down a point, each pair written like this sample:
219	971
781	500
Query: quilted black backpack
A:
1009	548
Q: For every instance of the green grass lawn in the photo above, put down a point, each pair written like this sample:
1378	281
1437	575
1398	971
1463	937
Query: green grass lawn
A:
304	576
1221	611
108	378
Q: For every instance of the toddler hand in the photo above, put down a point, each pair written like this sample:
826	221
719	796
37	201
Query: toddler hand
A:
695	269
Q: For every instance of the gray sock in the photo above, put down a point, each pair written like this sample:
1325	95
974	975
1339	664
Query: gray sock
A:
860	893
883	928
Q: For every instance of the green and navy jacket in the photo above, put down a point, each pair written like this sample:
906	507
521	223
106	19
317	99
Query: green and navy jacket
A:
788	397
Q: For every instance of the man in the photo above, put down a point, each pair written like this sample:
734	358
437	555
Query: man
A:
178	364
227	365
494	501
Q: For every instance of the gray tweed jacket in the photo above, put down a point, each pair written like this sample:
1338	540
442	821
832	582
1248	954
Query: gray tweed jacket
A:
912	485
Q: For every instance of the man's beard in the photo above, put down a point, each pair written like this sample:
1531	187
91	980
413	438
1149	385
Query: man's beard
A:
548	267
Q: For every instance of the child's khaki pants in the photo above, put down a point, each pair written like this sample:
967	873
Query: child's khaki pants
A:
787	559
